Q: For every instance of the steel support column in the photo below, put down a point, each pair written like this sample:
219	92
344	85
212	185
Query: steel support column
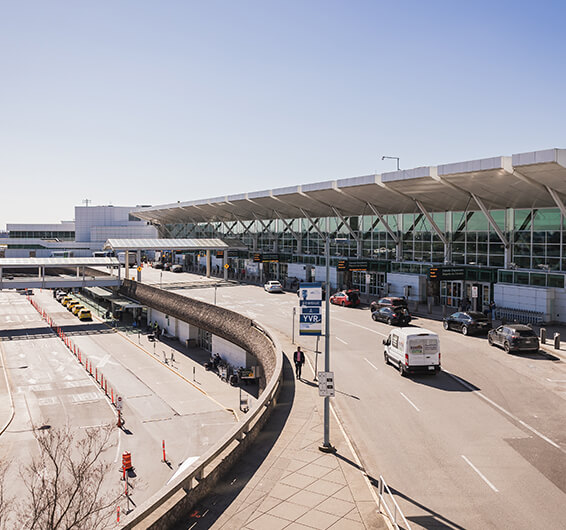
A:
496	228
439	233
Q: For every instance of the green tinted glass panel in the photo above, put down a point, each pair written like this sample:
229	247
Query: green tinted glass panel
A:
556	280
478	221
547	219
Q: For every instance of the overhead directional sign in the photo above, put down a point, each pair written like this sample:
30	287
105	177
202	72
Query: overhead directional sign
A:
310	317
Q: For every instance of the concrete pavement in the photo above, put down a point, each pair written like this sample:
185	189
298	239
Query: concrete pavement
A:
285	481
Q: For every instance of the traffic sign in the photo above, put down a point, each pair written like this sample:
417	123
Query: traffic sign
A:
310	300
226	266
119	403
326	384
474	291
139	269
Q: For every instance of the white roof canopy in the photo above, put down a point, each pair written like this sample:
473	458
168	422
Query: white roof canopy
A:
518	181
173	244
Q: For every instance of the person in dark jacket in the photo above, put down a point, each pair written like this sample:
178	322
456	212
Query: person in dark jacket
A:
299	359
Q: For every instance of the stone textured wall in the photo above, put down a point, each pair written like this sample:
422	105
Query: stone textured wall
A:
227	324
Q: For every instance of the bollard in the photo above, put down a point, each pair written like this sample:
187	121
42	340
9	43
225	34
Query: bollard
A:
543	335
557	341
96	374
164	458
118	514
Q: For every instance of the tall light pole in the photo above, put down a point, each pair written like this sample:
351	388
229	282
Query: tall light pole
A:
326	446
392	158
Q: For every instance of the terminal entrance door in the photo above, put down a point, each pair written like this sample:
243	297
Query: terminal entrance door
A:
371	283
451	292
482	301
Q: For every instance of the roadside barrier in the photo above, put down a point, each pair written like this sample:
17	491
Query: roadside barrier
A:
127	460
385	496
522	316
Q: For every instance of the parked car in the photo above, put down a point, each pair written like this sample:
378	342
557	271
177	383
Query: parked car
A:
348	297
158	265
389	301
176	268
84	314
65	300
72	304
398	316
166	266
514	337
467	322
273	286
76	309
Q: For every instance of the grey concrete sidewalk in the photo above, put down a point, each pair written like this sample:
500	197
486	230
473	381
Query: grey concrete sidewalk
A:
6	401
285	481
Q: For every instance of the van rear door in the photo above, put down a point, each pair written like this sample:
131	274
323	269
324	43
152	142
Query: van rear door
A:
423	350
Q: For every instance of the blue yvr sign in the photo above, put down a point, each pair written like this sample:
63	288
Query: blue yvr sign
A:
310	316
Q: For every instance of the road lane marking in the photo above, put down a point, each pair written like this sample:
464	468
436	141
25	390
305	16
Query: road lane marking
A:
370	363
359	326
342	341
482	476
499	407
416	408
556	380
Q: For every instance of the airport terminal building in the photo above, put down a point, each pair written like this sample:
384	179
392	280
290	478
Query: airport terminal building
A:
490	229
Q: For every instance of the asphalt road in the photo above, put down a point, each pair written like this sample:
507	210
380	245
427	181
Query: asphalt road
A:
480	445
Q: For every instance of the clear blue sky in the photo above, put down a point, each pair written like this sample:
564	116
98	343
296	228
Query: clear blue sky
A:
151	102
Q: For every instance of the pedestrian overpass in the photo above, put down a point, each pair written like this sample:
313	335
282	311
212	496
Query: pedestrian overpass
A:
54	273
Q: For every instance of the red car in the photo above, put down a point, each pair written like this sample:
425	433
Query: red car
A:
349	297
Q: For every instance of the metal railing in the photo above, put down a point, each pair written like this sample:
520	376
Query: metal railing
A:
394	511
523	316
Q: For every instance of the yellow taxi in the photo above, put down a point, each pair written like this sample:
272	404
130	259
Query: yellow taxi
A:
72	304
66	300
77	308
84	314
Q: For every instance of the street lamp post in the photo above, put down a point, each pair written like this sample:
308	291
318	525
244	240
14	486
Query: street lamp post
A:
392	158
326	446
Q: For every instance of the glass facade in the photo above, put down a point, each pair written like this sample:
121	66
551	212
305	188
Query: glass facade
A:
536	238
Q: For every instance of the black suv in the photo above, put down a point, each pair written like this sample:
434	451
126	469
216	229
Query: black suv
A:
389	301
514	337
398	316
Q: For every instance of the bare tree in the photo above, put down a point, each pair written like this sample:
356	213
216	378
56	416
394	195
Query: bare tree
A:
68	482
5	502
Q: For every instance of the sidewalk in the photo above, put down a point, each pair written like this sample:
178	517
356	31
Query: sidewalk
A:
285	481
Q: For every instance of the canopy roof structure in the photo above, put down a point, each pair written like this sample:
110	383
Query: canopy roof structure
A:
172	244
527	180
21	263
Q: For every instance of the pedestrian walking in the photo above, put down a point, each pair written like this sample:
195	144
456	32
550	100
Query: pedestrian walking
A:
299	358
492	309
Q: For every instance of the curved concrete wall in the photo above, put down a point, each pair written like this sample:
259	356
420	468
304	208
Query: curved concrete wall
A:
227	324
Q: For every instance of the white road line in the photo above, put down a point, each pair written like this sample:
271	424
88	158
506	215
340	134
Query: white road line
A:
342	341
416	408
481	475
370	363
499	407
359	326
556	380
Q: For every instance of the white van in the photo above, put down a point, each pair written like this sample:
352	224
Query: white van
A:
413	350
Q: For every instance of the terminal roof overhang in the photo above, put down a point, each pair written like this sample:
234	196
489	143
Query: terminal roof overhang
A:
517	181
173	244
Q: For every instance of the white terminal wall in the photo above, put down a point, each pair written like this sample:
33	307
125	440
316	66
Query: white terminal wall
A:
184	331
550	301
398	281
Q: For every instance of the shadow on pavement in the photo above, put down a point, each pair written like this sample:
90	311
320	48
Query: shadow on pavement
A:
445	381
434	520
207	511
